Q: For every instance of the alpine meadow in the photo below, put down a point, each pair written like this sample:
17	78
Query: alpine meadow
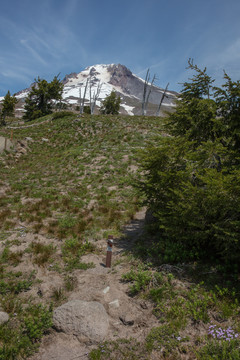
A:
163	182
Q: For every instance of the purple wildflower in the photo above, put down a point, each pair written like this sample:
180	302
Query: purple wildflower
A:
222	334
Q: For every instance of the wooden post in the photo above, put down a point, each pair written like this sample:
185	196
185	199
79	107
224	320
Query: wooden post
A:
109	251
5	144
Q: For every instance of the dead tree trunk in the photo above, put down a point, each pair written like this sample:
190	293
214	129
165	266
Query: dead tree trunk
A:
80	100
161	101
95	97
149	92
83	99
90	94
146	93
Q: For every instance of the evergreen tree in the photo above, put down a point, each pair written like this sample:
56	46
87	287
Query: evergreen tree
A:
195	116
8	107
111	104
200	85
191	180
228	103
40	99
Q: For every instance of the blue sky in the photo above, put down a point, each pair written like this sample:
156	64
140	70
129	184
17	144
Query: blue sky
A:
47	37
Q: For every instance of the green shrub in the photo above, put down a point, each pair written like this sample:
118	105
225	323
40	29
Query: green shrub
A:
163	336
140	278
61	114
197	207
21	341
220	350
37	322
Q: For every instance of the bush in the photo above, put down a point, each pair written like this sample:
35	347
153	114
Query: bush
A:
22	340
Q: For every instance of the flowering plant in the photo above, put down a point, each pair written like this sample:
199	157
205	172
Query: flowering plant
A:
222	334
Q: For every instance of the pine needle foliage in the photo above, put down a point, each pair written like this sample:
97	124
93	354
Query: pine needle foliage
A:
40	99
8	107
191	180
111	104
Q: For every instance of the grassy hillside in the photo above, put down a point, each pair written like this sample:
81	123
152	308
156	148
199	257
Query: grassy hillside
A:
68	184
76	176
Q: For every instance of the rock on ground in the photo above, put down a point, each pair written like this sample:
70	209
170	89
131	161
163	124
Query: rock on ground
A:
82	318
4	317
5	144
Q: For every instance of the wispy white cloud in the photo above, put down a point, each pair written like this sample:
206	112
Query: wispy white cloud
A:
35	54
16	75
230	54
40	38
37	49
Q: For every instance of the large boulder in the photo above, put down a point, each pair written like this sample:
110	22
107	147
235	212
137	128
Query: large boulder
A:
82	318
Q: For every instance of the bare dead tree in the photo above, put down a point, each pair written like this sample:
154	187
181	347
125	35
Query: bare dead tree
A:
80	99
95	97
83	99
146	92
161	101
147	78
90	93
150	90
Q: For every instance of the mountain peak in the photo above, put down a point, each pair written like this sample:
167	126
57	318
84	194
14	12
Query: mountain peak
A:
110	77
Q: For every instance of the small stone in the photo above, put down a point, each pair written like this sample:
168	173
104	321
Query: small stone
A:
114	304
4	317
126	320
143	305
106	290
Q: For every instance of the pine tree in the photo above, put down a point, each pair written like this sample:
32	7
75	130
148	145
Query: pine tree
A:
8	107
191	180
111	104
228	103
195	116
40	99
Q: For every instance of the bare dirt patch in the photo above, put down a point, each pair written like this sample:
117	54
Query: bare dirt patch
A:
128	317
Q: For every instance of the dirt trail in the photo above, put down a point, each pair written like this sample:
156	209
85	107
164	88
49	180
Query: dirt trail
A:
128	317
28	126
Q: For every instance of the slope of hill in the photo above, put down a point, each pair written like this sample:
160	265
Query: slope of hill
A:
66	186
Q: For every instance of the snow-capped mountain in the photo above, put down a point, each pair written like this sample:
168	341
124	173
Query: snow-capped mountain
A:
117	78
105	78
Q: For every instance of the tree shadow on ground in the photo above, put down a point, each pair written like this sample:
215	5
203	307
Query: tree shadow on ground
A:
136	240
131	233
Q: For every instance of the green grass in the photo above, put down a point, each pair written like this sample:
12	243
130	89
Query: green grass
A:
82	159
181	309
76	189
73	189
